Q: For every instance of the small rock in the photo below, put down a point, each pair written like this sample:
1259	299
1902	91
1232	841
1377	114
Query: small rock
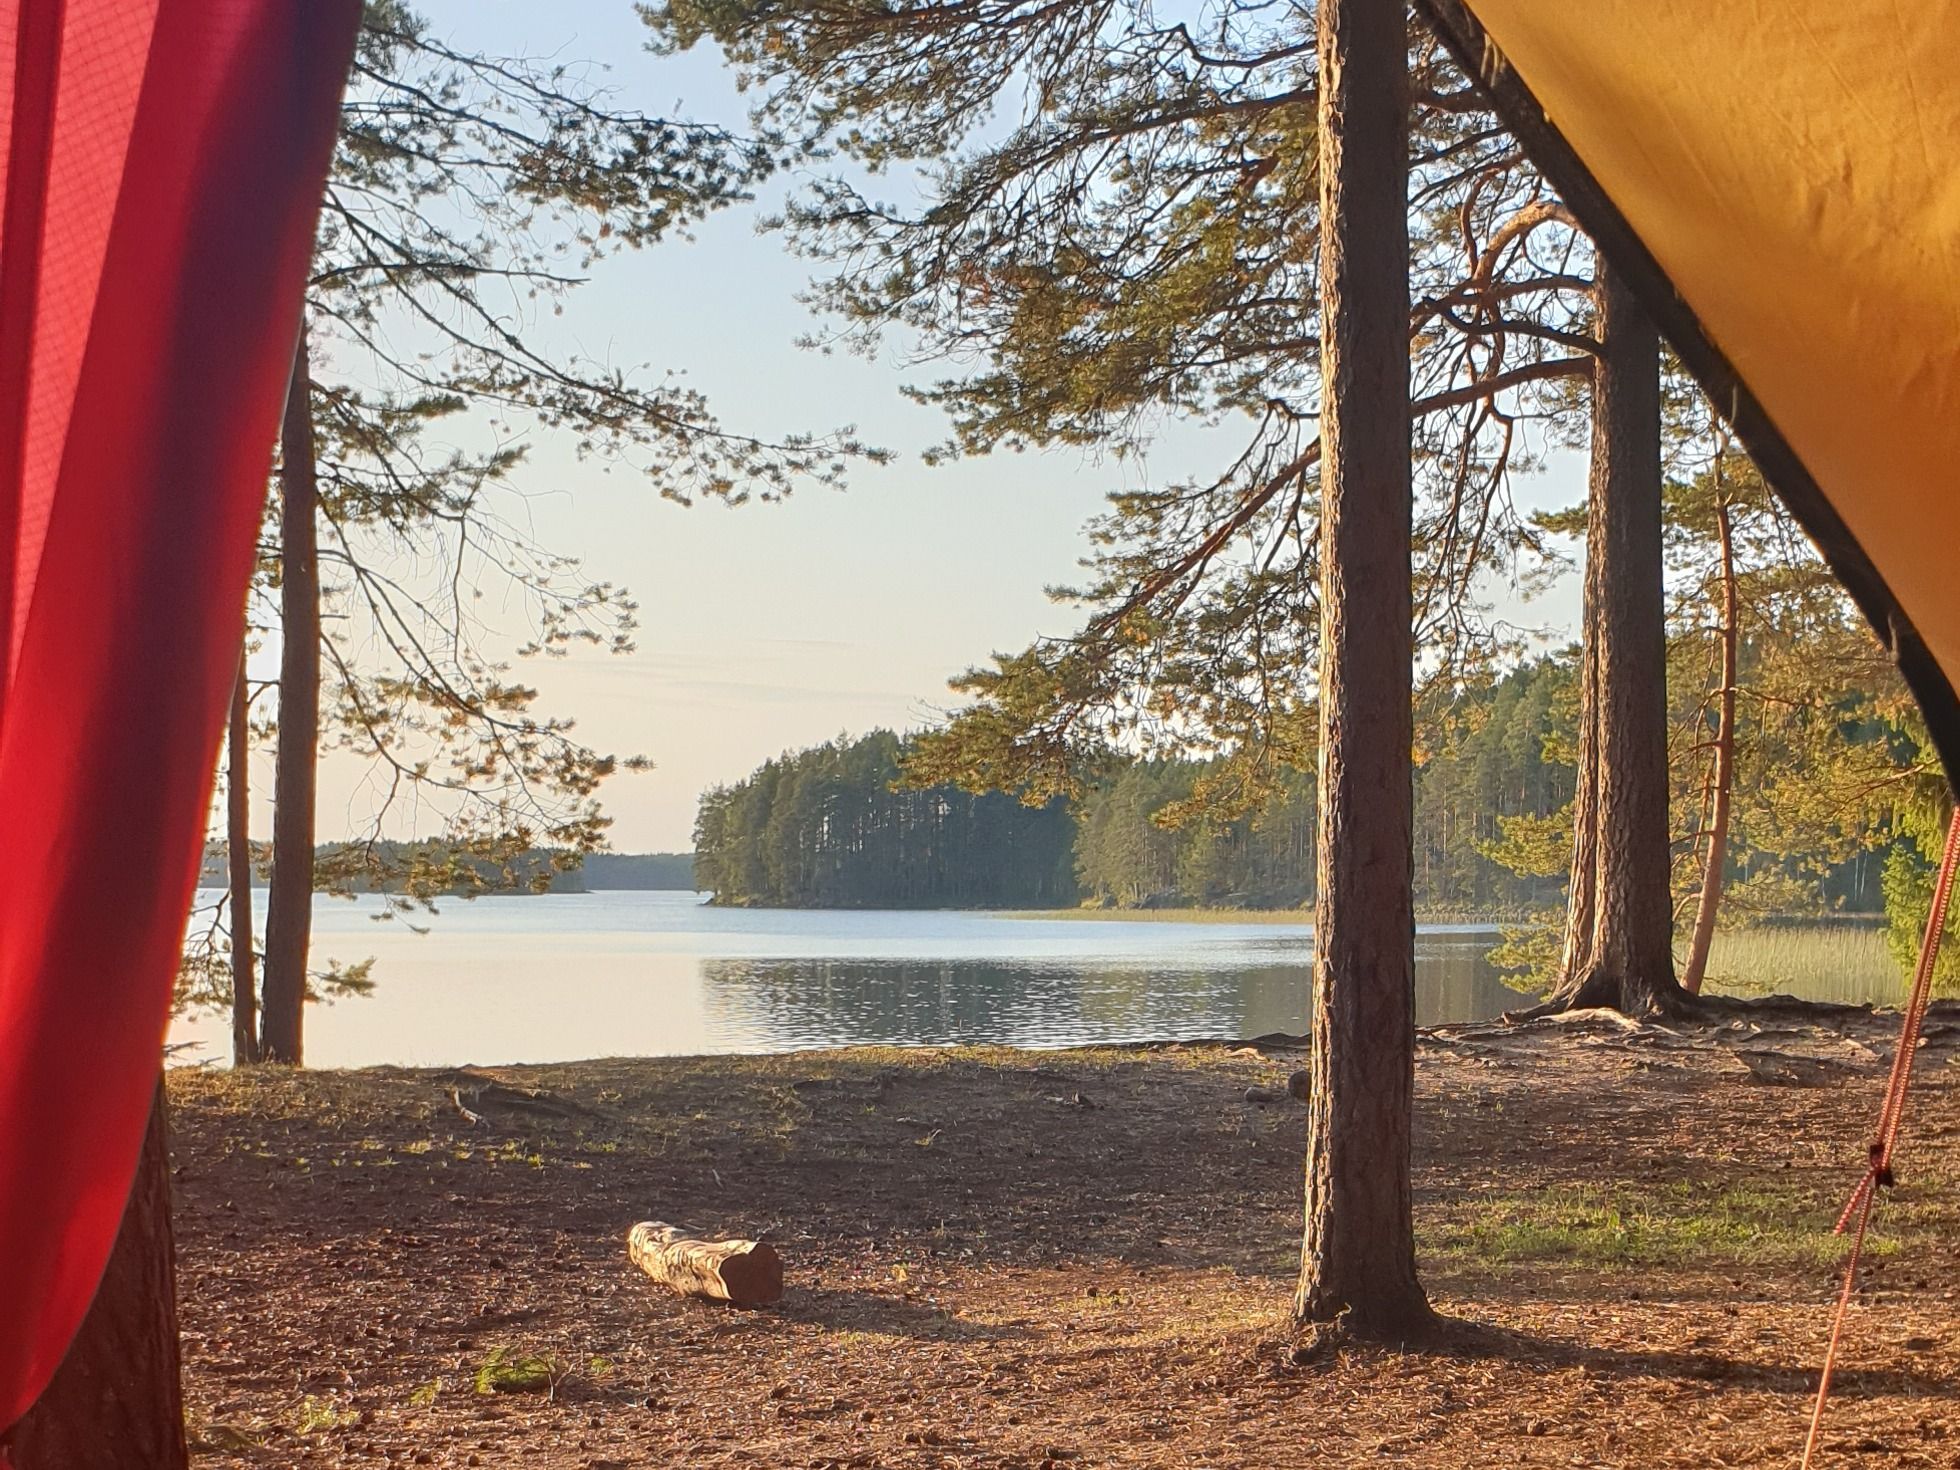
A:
1298	1087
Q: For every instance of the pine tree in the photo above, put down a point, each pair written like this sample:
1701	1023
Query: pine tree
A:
469	194
1137	244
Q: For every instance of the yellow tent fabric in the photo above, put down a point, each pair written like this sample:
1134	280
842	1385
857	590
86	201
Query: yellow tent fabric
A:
1795	170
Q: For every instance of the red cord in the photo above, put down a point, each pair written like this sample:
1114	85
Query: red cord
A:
1891	1116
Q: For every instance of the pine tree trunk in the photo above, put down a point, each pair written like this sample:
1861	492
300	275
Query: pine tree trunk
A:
289	910
1358	1258
1620	922
1581	898
238	847
116	1402
1722	780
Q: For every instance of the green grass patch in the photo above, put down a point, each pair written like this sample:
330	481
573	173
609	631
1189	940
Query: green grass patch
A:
1627	1225
220	1437
316	1414
505	1371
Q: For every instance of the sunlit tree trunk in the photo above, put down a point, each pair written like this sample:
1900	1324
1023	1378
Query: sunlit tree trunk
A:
1581	895
116	1402
1620	919
1722	781
1358	1258
289	911
238	846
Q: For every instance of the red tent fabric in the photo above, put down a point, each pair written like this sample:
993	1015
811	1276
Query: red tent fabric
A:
161	164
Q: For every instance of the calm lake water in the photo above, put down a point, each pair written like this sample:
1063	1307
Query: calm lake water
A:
569	976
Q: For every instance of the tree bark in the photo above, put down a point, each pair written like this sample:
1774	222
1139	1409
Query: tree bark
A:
746	1273
1358	1257
1722	780
116	1402
289	911
1582	892
238	848
1620	921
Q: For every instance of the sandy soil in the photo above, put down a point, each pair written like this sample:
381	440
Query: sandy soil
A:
1071	1259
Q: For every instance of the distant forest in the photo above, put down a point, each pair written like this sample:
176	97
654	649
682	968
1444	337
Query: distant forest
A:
830	828
837	826
532	872
603	871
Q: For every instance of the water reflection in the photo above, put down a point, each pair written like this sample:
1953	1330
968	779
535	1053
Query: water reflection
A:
782	1003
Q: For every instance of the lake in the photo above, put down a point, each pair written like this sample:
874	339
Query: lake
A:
569	976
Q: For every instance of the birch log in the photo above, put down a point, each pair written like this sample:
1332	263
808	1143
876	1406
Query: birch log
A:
747	1273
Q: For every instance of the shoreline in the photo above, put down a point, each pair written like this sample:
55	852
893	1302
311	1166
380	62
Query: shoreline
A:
1276	918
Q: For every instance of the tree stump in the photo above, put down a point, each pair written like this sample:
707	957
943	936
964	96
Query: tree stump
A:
746	1273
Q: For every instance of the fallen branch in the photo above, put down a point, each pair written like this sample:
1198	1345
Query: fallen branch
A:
456	1096
486	1091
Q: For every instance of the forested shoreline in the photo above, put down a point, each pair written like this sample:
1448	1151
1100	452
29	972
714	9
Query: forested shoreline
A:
381	867
829	828
850	824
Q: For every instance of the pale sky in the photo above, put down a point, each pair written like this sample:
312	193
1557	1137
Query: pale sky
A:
767	627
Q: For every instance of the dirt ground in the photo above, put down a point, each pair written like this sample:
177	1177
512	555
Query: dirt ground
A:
1066	1259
